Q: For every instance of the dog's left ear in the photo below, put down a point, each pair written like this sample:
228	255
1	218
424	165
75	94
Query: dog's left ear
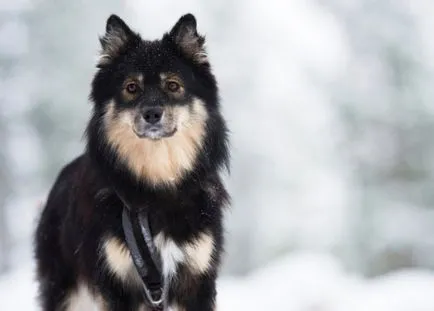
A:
185	36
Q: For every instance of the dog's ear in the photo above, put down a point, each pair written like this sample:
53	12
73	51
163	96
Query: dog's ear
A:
185	36
117	35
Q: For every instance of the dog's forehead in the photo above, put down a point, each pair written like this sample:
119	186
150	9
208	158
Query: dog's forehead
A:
154	57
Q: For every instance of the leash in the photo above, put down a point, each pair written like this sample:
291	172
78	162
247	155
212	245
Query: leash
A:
143	252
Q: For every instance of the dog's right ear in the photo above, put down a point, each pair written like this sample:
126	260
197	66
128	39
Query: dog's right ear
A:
117	35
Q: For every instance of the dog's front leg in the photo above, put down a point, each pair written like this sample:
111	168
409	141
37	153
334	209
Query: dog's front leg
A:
113	302
114	297
198	295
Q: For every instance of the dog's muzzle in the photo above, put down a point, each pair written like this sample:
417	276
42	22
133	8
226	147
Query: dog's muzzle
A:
153	123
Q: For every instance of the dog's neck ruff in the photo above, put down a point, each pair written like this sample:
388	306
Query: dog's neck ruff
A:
139	240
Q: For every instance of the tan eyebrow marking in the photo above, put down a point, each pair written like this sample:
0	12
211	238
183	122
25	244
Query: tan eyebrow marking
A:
164	76
137	77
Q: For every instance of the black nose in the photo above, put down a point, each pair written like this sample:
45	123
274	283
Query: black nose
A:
153	115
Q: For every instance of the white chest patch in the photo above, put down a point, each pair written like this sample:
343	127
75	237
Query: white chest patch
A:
175	308
196	254
170	253
82	299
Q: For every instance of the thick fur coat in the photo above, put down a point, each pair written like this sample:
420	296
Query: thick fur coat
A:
156	136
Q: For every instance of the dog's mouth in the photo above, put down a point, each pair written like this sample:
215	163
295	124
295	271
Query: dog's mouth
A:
154	132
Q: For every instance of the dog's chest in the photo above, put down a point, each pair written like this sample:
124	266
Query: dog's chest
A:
196	254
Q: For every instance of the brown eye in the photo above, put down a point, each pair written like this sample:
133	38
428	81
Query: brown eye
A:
131	88
173	86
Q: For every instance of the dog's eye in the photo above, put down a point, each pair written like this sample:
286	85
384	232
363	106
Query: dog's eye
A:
173	86
131	88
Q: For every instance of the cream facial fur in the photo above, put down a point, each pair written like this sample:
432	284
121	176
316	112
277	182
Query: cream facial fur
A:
162	161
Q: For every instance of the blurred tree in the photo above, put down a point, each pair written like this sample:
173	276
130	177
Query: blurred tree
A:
64	40
5	188
388	123
47	52
11	52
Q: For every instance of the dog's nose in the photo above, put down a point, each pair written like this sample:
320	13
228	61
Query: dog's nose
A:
153	115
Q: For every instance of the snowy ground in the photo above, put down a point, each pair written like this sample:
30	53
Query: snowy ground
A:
298	282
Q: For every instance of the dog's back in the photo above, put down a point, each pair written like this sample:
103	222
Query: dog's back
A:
56	269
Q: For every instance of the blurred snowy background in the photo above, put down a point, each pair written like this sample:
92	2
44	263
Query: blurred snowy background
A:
331	109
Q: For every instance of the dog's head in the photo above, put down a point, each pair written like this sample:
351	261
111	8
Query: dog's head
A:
153	100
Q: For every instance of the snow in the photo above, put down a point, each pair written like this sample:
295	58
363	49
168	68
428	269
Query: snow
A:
317	282
18	290
301	281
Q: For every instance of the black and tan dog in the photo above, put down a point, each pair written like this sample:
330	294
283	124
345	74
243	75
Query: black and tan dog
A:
157	136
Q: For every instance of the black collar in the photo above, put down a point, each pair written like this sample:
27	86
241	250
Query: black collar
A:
139	240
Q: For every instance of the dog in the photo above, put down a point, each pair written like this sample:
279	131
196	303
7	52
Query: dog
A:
157	136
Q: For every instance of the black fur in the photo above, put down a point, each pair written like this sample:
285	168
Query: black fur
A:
82	208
